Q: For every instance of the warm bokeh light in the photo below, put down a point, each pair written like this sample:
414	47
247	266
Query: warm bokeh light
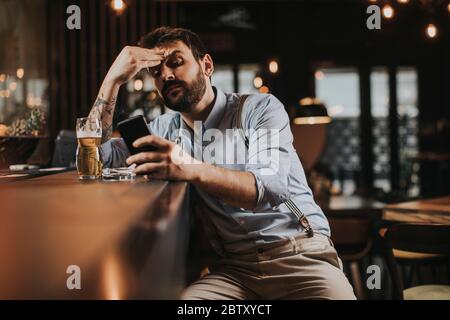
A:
336	109
152	96
20	73
309	101
33	102
388	11
319	75
264	89
2	77
431	31
118	5
448	7
258	82
273	66
138	84
30	101
4	93
312	120
403	1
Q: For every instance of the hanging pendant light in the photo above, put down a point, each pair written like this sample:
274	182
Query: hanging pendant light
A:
431	31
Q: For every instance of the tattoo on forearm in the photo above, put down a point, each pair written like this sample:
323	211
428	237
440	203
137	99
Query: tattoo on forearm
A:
108	109
103	109
106	132
105	105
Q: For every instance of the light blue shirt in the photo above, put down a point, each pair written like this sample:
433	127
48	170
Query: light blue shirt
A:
234	229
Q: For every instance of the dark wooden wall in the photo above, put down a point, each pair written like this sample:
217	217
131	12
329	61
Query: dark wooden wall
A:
79	59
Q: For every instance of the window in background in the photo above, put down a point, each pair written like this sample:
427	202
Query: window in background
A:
247	73
339	90
23	69
408	130
379	89
143	99
222	78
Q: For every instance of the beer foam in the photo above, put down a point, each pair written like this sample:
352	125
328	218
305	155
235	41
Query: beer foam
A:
88	134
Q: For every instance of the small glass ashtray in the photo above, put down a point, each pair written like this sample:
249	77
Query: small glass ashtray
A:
119	174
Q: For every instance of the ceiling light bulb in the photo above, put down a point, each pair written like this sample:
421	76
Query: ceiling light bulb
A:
118	5
20	73
138	84
388	11
431	31
258	82
264	89
273	66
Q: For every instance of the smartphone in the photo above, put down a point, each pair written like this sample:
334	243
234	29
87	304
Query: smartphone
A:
132	129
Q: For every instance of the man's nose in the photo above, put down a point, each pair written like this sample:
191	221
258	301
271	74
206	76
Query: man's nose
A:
167	74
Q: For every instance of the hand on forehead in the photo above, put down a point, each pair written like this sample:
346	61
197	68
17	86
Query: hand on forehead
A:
171	47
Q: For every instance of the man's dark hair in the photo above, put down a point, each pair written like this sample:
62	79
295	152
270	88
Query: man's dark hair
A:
165	35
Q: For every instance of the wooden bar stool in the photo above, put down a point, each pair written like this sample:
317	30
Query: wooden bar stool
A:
407	241
410	262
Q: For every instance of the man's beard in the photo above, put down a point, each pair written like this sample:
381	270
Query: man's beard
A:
189	96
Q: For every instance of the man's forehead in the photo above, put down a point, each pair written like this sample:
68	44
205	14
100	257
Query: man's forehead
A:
174	46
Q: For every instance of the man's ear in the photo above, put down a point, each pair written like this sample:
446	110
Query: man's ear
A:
208	65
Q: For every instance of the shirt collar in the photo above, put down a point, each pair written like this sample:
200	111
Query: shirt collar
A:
216	113
217	110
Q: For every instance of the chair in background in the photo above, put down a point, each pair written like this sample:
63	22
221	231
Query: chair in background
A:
65	149
417	243
409	263
352	237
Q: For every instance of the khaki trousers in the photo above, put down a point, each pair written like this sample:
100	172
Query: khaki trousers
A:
300	268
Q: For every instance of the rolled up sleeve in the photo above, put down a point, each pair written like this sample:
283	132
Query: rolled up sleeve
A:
269	142
114	152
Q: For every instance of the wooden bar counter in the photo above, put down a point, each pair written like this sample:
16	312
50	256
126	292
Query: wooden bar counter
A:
128	239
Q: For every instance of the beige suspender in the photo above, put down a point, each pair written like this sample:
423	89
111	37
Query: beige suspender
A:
238	119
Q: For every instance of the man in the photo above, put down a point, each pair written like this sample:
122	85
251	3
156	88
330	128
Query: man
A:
261	215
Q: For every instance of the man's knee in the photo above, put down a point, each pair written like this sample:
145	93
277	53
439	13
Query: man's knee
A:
214	286
339	287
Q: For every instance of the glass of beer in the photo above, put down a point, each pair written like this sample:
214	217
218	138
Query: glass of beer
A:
89	136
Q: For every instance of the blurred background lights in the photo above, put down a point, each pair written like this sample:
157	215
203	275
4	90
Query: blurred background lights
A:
273	66
258	82
118	5
264	89
388	11
138	84
20	73
431	31
319	75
